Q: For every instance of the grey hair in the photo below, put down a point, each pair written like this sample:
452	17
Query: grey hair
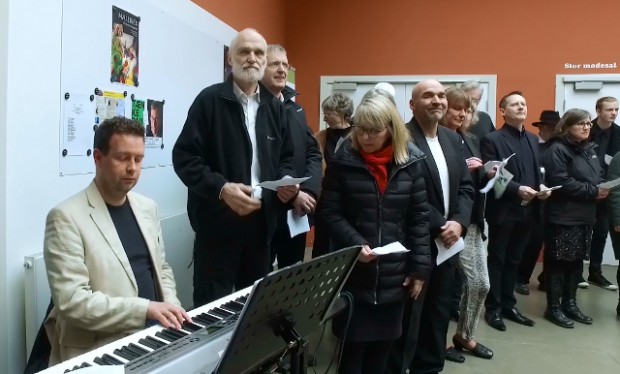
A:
275	48
471	85
235	41
339	103
378	91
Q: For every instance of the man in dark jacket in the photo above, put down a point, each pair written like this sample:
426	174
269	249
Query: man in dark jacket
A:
510	215
307	160
422	348
235	136
606	134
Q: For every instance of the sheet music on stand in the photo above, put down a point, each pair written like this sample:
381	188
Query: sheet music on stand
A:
284	308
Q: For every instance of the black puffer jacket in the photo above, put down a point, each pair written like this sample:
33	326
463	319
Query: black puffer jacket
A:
577	169
354	213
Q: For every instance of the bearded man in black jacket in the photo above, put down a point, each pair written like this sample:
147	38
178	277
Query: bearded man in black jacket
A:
235	136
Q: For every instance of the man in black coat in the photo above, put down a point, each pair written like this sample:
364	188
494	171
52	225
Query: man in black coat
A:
307	160
422	348
606	134
510	215
235	136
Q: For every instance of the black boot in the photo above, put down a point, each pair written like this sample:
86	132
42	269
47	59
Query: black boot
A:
554	283
569	299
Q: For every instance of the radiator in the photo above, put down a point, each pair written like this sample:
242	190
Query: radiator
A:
37	296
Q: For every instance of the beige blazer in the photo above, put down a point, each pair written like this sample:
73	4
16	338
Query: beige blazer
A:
93	287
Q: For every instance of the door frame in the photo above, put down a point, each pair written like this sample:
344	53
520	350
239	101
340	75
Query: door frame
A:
562	79
327	82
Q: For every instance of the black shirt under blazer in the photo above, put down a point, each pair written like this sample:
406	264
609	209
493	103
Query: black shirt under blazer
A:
497	146
577	169
461	186
353	212
214	147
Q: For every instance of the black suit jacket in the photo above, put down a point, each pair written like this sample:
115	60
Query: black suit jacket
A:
461	186
496	146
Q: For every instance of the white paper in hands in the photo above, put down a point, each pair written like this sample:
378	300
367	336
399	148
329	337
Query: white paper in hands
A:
607	159
273	185
547	189
395	247
609	184
500	167
297	224
444	253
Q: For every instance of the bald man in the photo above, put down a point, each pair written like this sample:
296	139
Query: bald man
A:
422	347
235	136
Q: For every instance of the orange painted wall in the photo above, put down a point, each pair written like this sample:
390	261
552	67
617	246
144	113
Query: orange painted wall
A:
526	43
267	16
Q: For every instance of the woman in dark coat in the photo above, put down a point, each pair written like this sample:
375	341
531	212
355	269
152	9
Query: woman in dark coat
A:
570	213
373	195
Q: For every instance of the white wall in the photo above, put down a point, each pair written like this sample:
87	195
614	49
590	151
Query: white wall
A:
30	61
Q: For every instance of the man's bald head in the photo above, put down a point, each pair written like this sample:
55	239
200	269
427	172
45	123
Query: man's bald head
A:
428	102
248	56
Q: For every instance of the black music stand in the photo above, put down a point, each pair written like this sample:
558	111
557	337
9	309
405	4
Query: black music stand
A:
284	308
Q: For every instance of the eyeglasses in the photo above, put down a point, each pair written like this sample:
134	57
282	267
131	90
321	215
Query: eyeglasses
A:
584	124
275	64
372	133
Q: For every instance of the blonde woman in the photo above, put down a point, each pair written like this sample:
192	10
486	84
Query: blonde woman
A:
373	195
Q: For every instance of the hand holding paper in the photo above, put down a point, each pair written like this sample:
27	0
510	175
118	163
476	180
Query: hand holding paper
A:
395	247
287	181
444	253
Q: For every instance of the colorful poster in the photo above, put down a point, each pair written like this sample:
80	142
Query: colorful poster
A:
125	27
155	127
109	104
137	111
227	66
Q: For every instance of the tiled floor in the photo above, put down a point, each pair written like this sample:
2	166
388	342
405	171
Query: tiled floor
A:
544	348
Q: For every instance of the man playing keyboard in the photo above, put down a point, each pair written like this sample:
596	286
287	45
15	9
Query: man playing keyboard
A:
104	253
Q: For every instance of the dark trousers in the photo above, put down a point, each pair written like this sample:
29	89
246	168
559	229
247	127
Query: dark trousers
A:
364	357
530	255
422	347
457	291
506	244
599	238
221	264
287	250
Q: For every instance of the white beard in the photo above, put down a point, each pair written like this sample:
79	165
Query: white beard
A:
248	75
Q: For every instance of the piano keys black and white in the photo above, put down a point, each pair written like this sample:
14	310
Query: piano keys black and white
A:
196	348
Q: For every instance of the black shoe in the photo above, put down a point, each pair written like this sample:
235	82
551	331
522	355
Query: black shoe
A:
522	289
556	316
454	356
495	320
597	279
516	316
478	351
571	311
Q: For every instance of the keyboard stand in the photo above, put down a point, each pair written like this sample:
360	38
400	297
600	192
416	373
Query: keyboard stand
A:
283	309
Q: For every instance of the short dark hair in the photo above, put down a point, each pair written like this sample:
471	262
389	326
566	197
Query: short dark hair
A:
115	125
503	103
156	105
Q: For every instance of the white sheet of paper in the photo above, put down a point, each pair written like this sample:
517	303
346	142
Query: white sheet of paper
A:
395	247
542	192
500	165
489	165
610	184
502	182
273	185
444	253
608	159
297	224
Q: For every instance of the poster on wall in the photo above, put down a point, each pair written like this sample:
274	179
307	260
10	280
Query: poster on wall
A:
125	32
137	111
227	66
77	125
155	127
109	104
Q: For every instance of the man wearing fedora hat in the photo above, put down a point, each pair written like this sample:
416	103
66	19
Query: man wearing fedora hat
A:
546	127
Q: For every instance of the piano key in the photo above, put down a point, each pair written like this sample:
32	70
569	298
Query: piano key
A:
207	318
221	312
100	361
137	349
191	327
151	342
234	306
167	336
111	359
125	354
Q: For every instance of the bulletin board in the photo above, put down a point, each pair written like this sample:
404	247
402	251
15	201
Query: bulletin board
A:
129	58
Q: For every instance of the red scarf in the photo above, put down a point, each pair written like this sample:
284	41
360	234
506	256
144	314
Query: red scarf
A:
377	164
